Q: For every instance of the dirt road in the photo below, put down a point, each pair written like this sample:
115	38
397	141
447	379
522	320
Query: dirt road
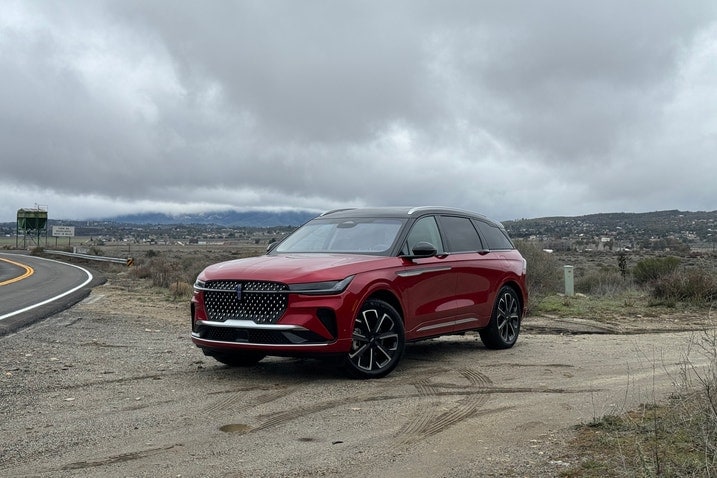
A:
113	387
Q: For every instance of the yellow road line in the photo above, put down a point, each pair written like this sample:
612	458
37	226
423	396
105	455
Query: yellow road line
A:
28	272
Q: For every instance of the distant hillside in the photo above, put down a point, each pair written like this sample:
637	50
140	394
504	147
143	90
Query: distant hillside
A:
222	218
631	226
650	224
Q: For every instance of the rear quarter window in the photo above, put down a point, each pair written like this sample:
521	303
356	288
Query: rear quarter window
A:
494	237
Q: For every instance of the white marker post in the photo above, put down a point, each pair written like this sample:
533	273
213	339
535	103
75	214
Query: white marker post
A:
569	281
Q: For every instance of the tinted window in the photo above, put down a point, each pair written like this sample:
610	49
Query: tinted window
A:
424	230
460	234
495	237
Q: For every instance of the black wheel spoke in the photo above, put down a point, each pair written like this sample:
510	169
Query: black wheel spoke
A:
359	352
387	355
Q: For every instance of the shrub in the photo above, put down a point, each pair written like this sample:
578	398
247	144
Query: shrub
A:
604	282
653	268
694	285
543	271
162	272
141	271
96	251
180	290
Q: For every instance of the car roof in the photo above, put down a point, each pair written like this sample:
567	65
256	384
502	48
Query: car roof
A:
404	212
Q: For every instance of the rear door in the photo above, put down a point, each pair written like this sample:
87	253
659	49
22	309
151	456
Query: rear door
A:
477	270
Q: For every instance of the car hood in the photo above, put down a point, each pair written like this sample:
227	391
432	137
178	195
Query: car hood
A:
295	268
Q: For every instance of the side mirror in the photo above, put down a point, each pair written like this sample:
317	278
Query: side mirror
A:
424	249
421	249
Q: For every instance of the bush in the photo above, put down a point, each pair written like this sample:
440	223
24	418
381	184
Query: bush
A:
181	290
605	282
96	251
161	271
694	285
543	271
653	268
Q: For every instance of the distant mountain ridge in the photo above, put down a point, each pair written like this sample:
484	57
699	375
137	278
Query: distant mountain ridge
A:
222	218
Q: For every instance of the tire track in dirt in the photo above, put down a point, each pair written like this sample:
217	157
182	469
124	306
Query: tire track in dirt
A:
285	416
470	391
240	396
120	458
427	415
429	422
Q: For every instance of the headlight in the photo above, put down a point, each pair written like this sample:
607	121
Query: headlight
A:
321	288
199	284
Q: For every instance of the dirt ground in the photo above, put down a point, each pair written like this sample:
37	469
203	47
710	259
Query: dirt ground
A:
114	387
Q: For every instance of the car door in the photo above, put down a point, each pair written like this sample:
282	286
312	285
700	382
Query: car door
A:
477	271
427	284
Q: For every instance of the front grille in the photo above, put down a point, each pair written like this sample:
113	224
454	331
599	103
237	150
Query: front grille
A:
261	302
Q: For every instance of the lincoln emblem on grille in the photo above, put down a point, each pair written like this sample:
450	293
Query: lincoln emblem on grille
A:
238	289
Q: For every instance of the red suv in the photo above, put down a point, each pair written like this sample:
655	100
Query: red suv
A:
360	283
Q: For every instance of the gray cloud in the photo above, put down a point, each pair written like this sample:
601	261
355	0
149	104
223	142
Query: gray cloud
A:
516	109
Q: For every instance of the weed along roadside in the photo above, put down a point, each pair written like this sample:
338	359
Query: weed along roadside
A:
673	436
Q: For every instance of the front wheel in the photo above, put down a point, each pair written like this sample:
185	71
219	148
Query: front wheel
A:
378	341
504	326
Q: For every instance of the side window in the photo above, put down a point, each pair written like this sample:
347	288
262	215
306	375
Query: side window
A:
460	234
424	230
495	237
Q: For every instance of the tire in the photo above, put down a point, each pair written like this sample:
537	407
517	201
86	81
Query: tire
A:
378	341
504	327
237	359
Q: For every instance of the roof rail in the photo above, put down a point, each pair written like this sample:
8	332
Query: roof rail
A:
336	210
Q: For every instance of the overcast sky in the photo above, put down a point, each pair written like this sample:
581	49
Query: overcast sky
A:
515	109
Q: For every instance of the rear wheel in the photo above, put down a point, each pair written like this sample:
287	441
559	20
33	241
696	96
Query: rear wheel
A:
237	359
504	326
378	341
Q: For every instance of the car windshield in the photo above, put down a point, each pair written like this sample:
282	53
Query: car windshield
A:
355	235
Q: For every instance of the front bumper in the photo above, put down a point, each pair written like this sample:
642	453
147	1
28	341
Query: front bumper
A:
310	325
269	338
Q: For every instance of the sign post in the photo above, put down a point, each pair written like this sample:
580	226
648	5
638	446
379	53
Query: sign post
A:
63	231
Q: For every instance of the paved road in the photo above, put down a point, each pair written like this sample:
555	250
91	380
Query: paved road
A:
32	288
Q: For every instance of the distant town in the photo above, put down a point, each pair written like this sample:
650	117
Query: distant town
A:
679	231
657	231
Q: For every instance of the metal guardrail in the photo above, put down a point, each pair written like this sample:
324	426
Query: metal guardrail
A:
117	260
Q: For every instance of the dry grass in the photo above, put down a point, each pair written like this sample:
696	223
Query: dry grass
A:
673	439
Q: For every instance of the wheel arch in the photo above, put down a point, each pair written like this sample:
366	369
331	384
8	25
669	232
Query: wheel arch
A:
388	297
518	292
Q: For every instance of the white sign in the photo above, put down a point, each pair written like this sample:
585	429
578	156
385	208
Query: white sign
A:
63	231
